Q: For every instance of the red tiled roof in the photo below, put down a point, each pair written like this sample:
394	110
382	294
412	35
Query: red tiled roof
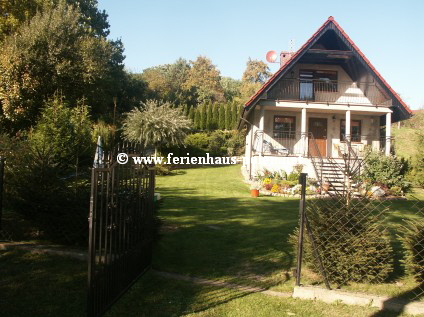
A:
299	51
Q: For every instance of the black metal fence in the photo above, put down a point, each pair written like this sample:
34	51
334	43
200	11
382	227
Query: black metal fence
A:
344	241
120	230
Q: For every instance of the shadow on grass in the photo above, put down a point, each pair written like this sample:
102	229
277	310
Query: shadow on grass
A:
242	239
397	303
41	285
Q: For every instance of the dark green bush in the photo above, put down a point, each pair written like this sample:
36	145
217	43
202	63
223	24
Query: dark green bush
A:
47	173
352	245
387	170
216	143
413	243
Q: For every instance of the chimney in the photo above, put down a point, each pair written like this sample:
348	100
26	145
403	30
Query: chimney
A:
285	56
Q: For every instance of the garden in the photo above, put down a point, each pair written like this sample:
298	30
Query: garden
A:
211	229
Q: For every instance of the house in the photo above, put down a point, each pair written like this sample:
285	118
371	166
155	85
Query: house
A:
325	101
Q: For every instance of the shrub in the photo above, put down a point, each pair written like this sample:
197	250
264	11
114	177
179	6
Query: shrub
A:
216	145
387	170
287	183
163	170
294	177
236	142
351	243
197	143
413	243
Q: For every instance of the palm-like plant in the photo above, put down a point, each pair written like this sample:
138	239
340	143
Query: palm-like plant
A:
156	124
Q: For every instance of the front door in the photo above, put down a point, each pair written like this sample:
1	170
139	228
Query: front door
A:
318	128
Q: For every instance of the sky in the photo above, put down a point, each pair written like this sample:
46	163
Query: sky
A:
390	33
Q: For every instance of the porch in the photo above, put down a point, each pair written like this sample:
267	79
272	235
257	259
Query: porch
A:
311	130
305	145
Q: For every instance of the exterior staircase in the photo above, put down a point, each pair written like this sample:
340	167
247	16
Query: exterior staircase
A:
333	173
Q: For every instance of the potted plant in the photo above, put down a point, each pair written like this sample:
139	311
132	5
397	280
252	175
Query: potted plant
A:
254	189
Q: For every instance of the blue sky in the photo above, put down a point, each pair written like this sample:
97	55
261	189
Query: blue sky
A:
390	33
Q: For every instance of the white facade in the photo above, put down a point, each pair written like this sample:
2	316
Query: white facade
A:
261	128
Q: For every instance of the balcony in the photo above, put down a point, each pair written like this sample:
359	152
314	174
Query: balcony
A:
335	92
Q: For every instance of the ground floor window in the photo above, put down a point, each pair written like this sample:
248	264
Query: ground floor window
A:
284	126
355	130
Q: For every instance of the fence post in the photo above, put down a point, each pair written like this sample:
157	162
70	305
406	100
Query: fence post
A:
302	181
1	188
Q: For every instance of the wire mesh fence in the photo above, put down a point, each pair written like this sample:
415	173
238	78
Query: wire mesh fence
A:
346	242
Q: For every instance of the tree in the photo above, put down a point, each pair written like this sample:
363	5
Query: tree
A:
234	113
205	78
215	116
17	12
209	117
44	181
156	124
54	53
221	117
231	88
228	117
197	123
191	113
256	72
254	76
166	82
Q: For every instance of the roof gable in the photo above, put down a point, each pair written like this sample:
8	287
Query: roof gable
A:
339	40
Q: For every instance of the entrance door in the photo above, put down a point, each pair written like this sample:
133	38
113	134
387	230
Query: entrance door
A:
318	128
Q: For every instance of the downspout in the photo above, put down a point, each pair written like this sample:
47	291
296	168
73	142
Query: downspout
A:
251	144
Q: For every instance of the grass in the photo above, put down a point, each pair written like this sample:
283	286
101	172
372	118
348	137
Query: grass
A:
41	285
214	229
183	299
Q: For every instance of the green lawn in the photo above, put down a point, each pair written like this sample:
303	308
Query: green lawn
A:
44	285
214	229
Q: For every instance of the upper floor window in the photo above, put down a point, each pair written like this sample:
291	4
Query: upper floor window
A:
284	126
355	130
325	80
320	80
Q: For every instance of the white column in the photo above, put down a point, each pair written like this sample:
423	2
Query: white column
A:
303	131
347	125
248	149
261	127
388	132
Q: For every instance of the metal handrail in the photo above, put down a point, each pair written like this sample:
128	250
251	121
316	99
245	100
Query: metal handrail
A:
312	139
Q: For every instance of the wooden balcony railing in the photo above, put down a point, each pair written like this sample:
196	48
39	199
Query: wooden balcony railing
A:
337	92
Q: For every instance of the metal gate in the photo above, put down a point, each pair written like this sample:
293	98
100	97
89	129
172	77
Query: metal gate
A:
120	231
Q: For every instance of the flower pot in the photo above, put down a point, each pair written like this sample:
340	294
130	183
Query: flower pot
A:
326	187
254	192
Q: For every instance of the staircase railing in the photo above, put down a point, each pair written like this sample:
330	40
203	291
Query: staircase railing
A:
318	170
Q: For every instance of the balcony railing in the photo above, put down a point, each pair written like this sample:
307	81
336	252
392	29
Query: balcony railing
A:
280	143
295	144
337	92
